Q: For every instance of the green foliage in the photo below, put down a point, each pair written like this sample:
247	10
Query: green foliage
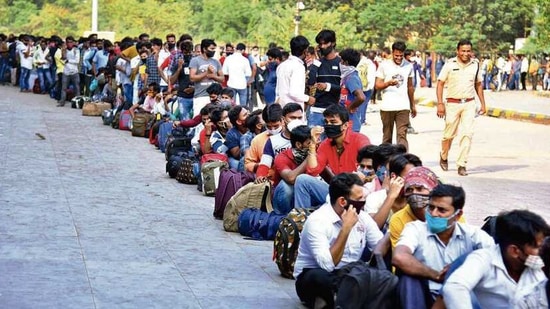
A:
423	24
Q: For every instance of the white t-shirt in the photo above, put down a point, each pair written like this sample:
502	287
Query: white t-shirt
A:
237	67
395	98
25	62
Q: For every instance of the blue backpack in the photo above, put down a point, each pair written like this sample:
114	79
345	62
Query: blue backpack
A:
259	225
164	130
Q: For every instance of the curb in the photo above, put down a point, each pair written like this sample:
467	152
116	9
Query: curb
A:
501	113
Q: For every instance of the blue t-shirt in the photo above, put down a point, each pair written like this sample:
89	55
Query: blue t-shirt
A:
233	138
353	83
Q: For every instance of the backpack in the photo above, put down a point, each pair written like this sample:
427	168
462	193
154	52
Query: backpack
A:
252	195
107	116
230	181
179	144
211	166
124	120
173	165
116	119
110	68
490	225
141	124
287	240
36	87
165	130
259	225
187	172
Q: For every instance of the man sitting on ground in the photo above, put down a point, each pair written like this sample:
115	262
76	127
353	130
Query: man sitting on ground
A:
501	275
426	249
334	236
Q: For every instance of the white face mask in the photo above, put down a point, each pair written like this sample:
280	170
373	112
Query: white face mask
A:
276	131
534	262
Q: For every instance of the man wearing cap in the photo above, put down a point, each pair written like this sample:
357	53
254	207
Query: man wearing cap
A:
419	182
426	249
463	79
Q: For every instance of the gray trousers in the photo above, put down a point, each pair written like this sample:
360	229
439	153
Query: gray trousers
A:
73	79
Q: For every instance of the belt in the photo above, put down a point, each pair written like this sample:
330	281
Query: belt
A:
452	100
318	110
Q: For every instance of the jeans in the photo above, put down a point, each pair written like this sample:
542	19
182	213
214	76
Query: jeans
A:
4	67
24	79
128	90
186	107
283	198
243	96
309	191
315	119
362	110
45	79
355	119
65	81
233	163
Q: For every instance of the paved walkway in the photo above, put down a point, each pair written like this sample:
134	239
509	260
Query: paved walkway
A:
89	219
532	106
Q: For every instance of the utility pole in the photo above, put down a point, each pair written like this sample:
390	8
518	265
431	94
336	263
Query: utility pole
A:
94	16
297	18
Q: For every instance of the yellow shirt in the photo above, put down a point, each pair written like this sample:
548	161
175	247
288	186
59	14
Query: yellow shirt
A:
398	221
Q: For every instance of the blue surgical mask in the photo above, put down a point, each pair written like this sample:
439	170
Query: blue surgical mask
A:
437	225
381	173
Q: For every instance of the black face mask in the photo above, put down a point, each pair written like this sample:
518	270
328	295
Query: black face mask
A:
358	205
325	51
229	54
333	130
209	53
171	46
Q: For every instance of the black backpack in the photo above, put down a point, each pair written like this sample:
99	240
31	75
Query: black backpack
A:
110	68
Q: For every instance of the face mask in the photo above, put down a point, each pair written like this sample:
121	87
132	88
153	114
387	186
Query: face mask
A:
275	131
333	130
417	201
325	51
437	225
229	54
299	155
534	262
381	173
171	46
365	171
209	53
358	205
346	70
225	102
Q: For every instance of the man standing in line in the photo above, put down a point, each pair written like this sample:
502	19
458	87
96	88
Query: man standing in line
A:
461	74
204	70
394	80
238	69
291	75
324	77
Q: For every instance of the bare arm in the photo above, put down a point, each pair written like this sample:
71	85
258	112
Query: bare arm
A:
289	175
440	105
405	261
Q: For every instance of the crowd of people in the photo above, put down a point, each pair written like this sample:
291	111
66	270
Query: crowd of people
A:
372	202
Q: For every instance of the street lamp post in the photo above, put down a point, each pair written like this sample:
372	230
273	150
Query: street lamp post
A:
297	18
94	16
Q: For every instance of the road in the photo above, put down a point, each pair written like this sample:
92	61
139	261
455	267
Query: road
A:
89	219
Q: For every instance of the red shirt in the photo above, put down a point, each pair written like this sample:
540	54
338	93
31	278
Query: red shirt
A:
283	161
347	161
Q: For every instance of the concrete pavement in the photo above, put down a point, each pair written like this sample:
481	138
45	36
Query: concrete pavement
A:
530	106
89	219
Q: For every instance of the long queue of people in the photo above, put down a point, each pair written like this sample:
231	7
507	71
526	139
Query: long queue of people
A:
381	230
